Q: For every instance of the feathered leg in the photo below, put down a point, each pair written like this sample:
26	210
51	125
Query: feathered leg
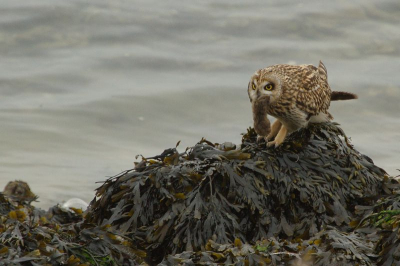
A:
276	126
279	138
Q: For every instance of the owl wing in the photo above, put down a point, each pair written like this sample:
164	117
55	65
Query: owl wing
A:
313	94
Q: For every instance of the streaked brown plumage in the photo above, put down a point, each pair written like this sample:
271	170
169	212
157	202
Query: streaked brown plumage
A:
294	95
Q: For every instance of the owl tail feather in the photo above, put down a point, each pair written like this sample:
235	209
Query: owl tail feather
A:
341	95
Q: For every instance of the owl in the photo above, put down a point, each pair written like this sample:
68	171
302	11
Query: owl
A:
294	95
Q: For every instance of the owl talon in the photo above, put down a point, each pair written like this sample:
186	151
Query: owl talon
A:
271	143
277	144
260	139
268	138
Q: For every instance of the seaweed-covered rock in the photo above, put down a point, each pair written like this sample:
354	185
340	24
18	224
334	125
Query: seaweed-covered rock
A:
315	200
30	236
328	247
174	204
19	192
382	223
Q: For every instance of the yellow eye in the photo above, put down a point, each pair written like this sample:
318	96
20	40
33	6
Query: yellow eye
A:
253	86
269	87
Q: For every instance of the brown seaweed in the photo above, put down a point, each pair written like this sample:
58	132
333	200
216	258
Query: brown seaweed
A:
30	236
177	203
314	200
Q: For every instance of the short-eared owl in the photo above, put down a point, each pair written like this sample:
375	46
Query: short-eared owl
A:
294	95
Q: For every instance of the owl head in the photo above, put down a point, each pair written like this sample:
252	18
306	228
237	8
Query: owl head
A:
265	82
276	80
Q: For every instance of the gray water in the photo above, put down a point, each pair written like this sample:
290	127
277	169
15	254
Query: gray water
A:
85	86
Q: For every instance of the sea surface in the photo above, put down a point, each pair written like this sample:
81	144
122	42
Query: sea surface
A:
85	86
